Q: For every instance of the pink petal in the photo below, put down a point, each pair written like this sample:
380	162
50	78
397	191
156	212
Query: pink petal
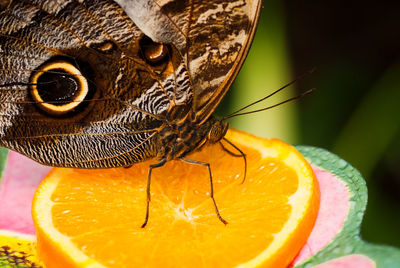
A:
20	179
350	261
333	211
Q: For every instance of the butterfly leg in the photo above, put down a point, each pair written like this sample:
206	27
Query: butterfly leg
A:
241	154
190	161
159	164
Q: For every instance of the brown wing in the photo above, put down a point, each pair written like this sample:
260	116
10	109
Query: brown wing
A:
220	36
213	35
118	125
212	38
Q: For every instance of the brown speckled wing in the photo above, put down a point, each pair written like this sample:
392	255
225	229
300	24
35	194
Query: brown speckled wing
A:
219	34
130	99
118	126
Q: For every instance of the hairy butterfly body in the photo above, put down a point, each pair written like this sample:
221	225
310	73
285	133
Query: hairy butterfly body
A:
88	84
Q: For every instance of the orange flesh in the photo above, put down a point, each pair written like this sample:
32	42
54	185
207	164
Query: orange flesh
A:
102	211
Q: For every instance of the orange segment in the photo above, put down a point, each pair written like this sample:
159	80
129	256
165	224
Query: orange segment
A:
92	218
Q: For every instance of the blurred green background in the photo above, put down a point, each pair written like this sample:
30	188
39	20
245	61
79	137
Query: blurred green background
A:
355	111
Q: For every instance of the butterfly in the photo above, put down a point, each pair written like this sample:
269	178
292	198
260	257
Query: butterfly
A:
102	84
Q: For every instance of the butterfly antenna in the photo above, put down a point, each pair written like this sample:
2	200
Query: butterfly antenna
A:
302	76
272	106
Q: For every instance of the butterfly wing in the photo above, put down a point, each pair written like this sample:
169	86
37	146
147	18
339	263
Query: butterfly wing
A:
216	37
228	31
129	98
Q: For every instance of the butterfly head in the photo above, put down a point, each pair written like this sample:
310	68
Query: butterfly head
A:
217	130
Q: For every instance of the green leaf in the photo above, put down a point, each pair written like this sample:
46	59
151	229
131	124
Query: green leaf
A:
3	160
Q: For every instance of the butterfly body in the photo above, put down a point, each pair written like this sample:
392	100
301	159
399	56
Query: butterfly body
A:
136	107
182	138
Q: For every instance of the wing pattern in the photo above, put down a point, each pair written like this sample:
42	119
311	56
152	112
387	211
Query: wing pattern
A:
131	99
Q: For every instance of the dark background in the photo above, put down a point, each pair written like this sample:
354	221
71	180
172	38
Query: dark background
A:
355	111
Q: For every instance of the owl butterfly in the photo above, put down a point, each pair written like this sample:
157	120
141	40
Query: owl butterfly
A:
101	84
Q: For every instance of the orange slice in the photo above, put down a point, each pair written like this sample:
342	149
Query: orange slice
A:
92	218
